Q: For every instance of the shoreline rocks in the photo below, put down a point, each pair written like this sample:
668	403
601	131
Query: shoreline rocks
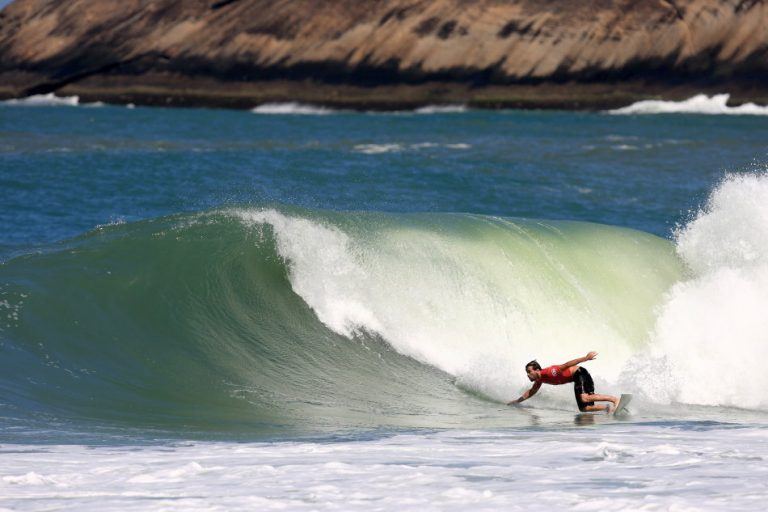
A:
386	54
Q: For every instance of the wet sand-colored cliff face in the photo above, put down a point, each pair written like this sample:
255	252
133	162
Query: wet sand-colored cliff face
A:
386	53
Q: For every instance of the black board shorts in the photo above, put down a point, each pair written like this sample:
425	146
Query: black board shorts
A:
582	383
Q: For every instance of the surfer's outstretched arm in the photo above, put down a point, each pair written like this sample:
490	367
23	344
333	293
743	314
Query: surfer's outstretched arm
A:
579	360
528	394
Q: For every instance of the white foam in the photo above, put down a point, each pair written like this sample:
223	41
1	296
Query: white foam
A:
291	108
711	337
699	104
170	475
396	147
441	109
377	149
51	100
45	100
630	467
29	478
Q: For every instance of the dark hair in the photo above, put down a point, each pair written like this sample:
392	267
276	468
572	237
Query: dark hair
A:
535	364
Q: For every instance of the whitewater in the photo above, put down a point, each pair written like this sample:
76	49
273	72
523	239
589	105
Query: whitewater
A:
321	327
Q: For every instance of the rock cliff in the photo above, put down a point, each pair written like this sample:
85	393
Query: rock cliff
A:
385	53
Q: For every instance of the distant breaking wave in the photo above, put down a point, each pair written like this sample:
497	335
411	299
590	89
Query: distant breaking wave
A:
377	149
50	100
699	104
291	108
294	108
441	109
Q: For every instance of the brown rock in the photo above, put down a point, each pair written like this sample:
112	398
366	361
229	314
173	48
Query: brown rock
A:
384	53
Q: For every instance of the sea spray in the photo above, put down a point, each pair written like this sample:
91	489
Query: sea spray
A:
711	336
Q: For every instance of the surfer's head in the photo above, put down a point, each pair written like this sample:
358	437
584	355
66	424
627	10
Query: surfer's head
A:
533	370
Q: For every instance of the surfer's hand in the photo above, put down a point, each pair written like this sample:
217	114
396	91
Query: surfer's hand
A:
591	356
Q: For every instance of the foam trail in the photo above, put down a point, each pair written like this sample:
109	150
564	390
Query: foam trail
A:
711	337
291	108
699	104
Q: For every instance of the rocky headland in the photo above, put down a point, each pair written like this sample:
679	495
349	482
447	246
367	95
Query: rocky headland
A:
385	54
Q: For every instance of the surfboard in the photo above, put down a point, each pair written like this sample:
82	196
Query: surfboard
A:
623	402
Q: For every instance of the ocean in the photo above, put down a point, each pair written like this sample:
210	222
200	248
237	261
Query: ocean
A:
296	308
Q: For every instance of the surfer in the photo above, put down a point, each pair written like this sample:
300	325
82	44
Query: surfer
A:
583	387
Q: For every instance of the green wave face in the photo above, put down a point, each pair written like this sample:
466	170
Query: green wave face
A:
266	320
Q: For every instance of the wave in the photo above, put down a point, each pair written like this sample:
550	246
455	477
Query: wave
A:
291	108
377	149
699	104
275	318
294	108
441	109
50	100
279	316
396	147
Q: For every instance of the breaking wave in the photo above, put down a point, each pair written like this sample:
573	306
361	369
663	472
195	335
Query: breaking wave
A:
279	317
50	100
699	104
441	109
291	109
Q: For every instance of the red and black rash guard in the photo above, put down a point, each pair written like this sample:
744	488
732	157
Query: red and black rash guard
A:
553	375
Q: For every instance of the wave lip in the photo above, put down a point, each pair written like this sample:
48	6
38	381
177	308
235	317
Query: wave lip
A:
699	104
291	108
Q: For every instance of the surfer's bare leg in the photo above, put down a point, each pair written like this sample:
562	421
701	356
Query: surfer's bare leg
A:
595	408
592	397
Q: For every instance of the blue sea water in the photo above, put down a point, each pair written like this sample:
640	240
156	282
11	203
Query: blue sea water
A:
66	170
210	309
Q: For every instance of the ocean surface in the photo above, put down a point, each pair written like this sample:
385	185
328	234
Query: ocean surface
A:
295	308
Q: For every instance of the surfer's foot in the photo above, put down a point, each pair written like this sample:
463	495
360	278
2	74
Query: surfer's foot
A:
608	408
